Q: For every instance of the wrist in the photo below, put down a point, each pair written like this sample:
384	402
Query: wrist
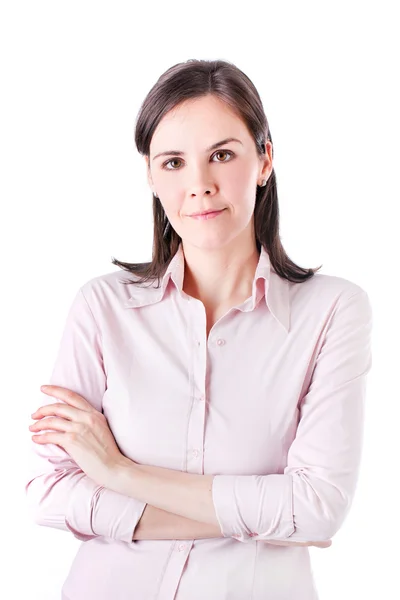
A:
121	474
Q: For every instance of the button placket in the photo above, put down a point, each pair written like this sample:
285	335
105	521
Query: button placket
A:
195	436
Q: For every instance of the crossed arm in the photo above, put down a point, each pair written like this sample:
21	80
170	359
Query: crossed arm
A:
158	524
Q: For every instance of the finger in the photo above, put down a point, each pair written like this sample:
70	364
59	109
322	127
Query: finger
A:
70	397
49	423
59	409
51	438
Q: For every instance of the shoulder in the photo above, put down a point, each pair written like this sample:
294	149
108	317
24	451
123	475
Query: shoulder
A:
326	288
108	288
319	297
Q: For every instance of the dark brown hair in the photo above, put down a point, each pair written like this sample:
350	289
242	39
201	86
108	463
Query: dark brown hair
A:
194	79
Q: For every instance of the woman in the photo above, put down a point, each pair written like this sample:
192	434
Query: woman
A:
205	417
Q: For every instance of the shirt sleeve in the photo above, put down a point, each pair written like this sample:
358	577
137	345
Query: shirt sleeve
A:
58	492
312	497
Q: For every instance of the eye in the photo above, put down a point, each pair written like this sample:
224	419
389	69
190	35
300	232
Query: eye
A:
164	165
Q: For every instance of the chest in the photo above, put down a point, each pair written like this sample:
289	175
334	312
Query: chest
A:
203	391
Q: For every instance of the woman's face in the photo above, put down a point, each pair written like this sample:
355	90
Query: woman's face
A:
193	178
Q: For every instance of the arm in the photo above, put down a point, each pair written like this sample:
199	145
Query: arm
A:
158	524
58	492
311	499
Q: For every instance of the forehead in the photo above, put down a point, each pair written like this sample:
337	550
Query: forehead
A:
206	119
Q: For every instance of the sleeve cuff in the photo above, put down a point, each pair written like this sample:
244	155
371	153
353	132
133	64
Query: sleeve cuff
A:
94	510
252	507
115	515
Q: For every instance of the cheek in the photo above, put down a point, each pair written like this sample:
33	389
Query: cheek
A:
173	208
240	175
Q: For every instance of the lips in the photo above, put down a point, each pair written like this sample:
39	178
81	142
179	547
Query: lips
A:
208	215
206	212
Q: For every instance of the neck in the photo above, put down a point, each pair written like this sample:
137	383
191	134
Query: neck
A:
220	276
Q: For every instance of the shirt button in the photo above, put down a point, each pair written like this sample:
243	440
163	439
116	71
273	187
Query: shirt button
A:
181	547
195	452
202	398
220	342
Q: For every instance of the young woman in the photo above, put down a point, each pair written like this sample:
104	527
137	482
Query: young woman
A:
204	420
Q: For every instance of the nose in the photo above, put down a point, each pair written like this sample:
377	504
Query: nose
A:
200	181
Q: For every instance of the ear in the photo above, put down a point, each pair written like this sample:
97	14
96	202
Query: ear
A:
267	162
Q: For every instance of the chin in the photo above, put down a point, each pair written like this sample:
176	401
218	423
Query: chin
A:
208	243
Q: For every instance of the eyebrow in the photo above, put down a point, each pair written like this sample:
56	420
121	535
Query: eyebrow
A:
212	147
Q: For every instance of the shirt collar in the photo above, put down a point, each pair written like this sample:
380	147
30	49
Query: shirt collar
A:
267	284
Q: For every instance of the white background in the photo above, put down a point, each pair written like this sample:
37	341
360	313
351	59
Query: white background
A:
74	194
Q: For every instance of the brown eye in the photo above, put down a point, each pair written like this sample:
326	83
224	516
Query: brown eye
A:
172	160
169	162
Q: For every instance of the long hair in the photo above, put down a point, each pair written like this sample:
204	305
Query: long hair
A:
194	79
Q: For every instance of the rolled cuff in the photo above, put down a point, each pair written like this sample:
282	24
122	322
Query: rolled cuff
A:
94	510
252	507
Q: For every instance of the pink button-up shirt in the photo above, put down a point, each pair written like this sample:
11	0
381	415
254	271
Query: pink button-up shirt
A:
271	403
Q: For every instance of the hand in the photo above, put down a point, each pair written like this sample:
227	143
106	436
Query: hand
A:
82	431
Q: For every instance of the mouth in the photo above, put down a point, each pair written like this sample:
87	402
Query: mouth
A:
208	214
